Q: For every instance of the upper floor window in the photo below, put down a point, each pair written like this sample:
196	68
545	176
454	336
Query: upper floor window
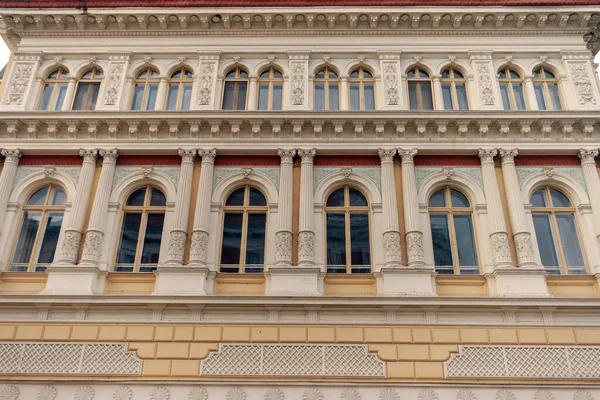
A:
180	90
42	219
270	90
327	90
348	239
556	232
88	88
145	89
55	89
419	89
454	90
511	89
452	232
547	93
362	89
236	89
141	230
244	231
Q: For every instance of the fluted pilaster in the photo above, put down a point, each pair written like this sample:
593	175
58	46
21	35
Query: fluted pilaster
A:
391	231
7	178
306	235
592	183
414	234
283	256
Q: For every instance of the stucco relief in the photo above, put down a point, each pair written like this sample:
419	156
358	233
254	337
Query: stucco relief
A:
320	173
391	246
283	246
177	244
306	246
523	173
122	393
583	83
48	393
199	245
198	393
19	84
389	394
70	245
500	248
414	246
220	173
373	173
486	80
298	78
113	84
85	393
207	70
160	393
92	247
122	173
271	173
390	79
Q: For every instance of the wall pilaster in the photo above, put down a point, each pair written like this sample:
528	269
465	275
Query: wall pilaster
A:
488	89
283	239
7	177
114	84
299	80
389	63
17	92
391	230
592	183
414	234
306	235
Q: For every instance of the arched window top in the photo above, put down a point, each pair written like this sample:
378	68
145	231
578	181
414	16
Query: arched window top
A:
417	73
237	73
57	74
546	88
548	197
271	73
182	73
148	73
93	74
355	198
361	73
48	196
246	196
327	73
508	74
452	73
448	198
543	73
147	196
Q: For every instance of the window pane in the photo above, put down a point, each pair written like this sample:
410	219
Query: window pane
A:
458	199
241	99
58	197
319	96
129	238
412	96
559	199
137	198
29	228
38	198
354	74
186	97
320	74
369	96
336	198
80	96
255	238
505	96
440	236
257	198
152	238
463	99
265	74
228	96
263	96
157	198
555	96
423	74
438	199
46	95
230	74
60	97
95	89
277	74
570	240
138	94
465	242
538	199
447	94
359	239
232	239
176	74
411	73
514	74
502	74
539	95
277	97
151	100
357	199
354	96
336	240
49	239
172	96
334	96
236	198
426	96
519	96
243	74
545	239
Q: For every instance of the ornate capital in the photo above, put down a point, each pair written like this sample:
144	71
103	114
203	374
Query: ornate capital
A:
487	155
588	156
407	155
11	155
89	155
307	155
208	156
508	155
386	155
187	155
287	156
109	156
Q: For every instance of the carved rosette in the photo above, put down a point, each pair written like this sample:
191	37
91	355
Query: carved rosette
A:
274	394
391	246
500	248
298	78
70	245
11	156
92	246
84	393
414	247
524	247
306	246
588	156
283	245
199	246
205	87
89	155
408	156
9	392
122	393
198	393
505	395
487	155
386	156
47	393
466	394
312	394
389	394
350	394
160	393
177	244
187	155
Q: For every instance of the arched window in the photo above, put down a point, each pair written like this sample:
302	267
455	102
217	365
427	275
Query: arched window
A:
454	90
141	230
42	219
556	232
88	88
327	90
511	89
180	90
236	89
145	89
270	90
348	239
452	232
362	89
55	88
419	89
244	231
547	93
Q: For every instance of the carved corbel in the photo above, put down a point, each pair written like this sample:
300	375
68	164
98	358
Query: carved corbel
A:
162	21
289	20
421	127
373	20
195	125
52	128
92	128
101	22
541	21
546	127
442	128
500	20
331	18
276	127
318	127
39	23
525	128
479	18
247	21
359	127
215	127
567	128
415	19
587	127
33	128
60	22
436	21
174	125
204	21
353	20
504	128
183	23
142	23
297	127
235	128
521	18
563	20
463	128
400	128
268	20
484	127
310	20
226	20
256	125
394	21
457	21
379	127
134	126
121	22
338	128
72	128
80	21
113	128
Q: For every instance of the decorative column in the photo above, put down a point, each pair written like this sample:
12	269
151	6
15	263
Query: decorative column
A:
207	81
488	89
414	235
389	63
344	94
7	178
114	83
252	94
391	230
438	95
161	94
19	81
299	80
592	183
531	97
283	257
74	229
68	100
497	226
306	235
178	234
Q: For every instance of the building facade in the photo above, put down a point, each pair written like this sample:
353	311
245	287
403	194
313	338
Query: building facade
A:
304	202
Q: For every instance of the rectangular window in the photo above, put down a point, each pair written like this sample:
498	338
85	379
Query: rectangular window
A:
93	96
46	96
255	242
426	96
228	96
465	243
334	96
263	96
442	251
186	96
555	96
360	248
26	241
61	91
277	97
354	96
447	94
232	242
539	95
138	95
412	96
569	238
152	239
505	96
241	99
49	239
519	96
463	99
546	243
369	97
151	99
129	241
172	96
336	243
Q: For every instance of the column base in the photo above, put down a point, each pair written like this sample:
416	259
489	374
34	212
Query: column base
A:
183	281
75	280
294	281
405	282
517	282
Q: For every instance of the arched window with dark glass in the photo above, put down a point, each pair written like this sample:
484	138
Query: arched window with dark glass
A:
454	89
362	89
55	89
557	232
452	232
327	89
420	94
88	88
39	230
244	231
235	90
145	89
547	92
179	93
348	232
511	89
141	230
270	90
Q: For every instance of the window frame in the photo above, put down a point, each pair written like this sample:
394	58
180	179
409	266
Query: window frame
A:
326	81
419	81
147	81
361	81
235	80
145	209
510	82
181	81
450	211
56	82
544	81
453	81
271	81
347	209
93	80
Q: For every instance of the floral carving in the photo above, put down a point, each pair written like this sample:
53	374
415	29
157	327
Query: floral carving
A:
298	77
206	83
390	71
485	84
19	84
414	246
84	393
350	394
47	393
583	84
524	247
543	395
391	246
70	245
487	155
466	394
306	246
312	394
428	394
122	393
199	245
505	395
113	84
92	245
9	393
177	244
588	156
389	394
582	395
407	155
501	249
160	393
283	245
274	394
386	156
198	393
236	394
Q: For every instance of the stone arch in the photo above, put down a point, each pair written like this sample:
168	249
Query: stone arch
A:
462	182
367	64
138	179
335	180
231	182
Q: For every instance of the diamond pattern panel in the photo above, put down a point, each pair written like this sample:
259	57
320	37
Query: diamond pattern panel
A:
585	361
10	358
307	360
352	361
100	358
531	362
234	359
484	360
59	358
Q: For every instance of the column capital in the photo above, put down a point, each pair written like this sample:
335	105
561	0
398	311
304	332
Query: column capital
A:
89	155
11	155
287	156
187	155
587	156
487	155
407	155
109	156
208	156
386	155
508	155
307	155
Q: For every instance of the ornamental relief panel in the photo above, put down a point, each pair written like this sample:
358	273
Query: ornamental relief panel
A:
422	173
122	173
575	173
582	81
372	173
23	172
19	84
271	173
